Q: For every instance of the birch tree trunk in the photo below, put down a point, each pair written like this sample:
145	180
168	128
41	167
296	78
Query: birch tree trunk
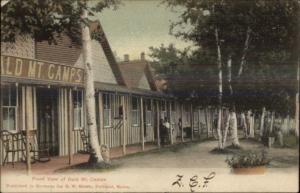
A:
227	125
244	124
220	90
250	124
235	138
246	46
206	122
262	121
232	114
90	90
232	124
272	122
297	103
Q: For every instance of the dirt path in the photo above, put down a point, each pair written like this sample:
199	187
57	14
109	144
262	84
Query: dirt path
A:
198	155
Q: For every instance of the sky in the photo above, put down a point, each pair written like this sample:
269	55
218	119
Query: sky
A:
138	24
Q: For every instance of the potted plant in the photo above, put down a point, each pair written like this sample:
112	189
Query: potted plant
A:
248	163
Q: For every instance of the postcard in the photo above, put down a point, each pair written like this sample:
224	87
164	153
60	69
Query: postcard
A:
149	96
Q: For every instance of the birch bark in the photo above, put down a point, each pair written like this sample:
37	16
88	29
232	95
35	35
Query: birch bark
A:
235	137
244	124
243	60
90	90
250	124
220	90
232	124
262	121
297	102
232	115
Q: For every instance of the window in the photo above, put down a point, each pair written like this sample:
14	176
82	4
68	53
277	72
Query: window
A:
173	112
148	112
106	110
135	111
78	109
9	107
187	114
163	109
173	106
196	117
163	105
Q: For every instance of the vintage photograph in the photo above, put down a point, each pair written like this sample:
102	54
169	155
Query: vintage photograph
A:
149	96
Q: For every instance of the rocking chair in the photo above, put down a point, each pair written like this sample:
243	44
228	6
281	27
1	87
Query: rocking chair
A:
85	141
12	144
39	151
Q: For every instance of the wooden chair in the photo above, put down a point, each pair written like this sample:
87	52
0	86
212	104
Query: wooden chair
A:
12	144
40	151
85	140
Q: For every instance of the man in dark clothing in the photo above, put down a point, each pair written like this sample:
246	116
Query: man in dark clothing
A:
162	132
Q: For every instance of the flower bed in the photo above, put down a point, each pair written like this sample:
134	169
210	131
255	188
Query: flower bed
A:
248	163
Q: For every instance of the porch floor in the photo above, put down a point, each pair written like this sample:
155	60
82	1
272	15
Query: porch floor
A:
59	162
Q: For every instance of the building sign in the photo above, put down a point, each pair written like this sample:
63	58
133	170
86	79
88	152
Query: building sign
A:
12	66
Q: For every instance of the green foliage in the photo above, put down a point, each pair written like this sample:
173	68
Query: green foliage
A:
47	19
269	75
248	159
273	25
168	59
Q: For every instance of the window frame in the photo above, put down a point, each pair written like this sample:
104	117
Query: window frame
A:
10	106
135	112
149	116
187	114
173	112
107	109
81	110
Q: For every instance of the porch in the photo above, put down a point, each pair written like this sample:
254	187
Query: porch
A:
59	162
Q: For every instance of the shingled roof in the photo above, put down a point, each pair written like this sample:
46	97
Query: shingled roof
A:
133	71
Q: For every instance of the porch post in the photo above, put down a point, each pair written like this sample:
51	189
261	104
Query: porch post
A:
206	122
158	123
181	114
70	152
199	125
152	119
124	123
100	96
28	116
142	124
170	114
192	122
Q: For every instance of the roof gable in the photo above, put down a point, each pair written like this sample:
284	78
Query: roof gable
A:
96	28
137	74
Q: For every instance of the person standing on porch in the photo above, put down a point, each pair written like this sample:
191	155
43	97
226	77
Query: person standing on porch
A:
162	131
167	126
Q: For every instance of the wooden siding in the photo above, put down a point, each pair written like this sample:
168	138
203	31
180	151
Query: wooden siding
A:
101	65
113	136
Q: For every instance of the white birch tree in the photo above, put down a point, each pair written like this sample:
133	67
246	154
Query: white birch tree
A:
220	86
89	88
297	102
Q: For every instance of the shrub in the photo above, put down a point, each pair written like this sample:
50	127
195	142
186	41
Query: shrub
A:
248	159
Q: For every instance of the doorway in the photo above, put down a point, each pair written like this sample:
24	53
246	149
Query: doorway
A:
47	114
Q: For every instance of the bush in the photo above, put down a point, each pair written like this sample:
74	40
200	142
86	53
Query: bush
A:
248	159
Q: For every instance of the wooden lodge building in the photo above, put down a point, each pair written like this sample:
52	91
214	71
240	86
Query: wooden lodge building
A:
42	89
